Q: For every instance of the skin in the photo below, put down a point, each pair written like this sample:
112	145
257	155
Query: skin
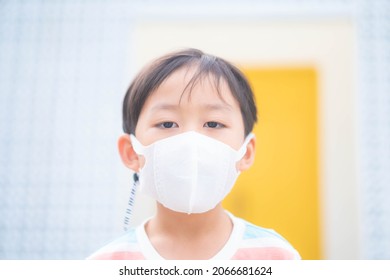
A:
168	112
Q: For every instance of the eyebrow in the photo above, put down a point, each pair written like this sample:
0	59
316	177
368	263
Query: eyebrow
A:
164	107
218	107
207	106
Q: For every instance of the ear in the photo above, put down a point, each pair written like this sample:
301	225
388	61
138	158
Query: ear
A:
129	157
249	157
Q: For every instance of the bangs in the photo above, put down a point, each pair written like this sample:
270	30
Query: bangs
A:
206	70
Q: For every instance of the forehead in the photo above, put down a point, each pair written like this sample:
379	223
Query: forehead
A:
190	83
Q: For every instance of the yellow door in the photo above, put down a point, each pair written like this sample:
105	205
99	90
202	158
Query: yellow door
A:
280	191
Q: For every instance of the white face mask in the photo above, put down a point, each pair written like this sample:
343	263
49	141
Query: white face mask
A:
188	172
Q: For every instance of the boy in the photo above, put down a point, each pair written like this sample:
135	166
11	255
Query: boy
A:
188	118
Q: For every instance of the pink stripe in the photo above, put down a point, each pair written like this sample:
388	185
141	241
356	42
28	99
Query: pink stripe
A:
267	253
119	256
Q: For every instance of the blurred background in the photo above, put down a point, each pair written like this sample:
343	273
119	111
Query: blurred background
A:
321	75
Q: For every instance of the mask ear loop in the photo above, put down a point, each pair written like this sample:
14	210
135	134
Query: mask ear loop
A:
130	204
241	152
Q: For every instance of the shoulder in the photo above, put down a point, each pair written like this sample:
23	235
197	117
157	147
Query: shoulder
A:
126	247
262	243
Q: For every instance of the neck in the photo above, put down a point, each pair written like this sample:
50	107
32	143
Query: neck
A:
195	236
189	225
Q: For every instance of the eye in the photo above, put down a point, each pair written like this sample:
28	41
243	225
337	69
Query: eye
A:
213	125
167	125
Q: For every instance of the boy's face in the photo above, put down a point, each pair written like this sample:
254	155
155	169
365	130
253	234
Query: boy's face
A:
168	112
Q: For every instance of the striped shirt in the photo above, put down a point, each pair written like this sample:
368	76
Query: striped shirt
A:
246	242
